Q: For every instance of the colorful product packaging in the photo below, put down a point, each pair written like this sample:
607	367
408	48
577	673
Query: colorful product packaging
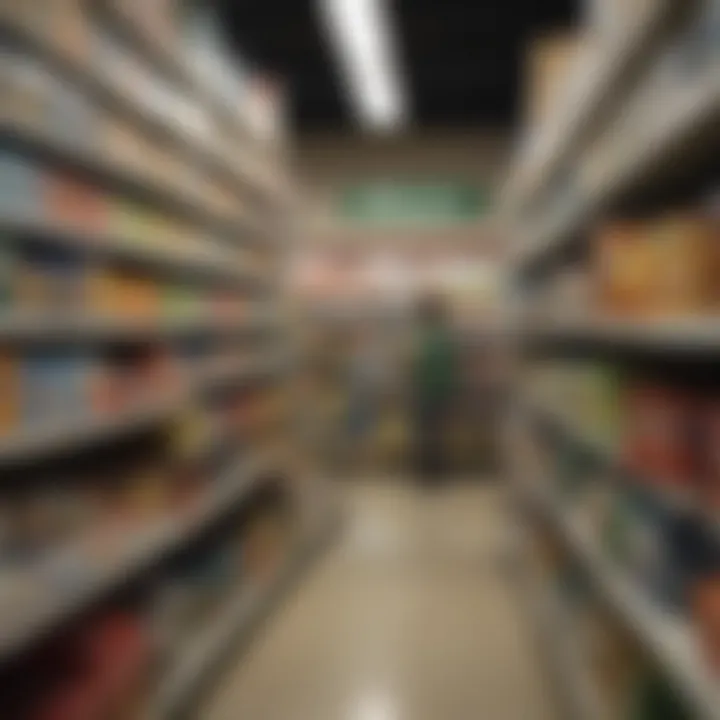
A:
21	188
658	434
54	386
51	280
9	392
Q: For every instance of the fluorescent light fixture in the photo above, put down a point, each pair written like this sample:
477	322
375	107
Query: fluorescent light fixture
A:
361	36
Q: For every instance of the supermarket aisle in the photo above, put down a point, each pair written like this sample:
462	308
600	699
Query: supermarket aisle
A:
411	618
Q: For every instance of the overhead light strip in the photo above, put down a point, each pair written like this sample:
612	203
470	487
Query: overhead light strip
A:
362	39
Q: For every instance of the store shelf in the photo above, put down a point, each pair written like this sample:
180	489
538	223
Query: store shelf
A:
70	435
90	81
38	327
596	87
89	574
569	669
194	663
673	335
668	637
161	259
690	116
674	499
126	181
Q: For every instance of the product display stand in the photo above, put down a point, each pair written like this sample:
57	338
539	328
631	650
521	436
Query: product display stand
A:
610	443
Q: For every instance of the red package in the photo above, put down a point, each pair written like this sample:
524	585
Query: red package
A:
658	434
706	608
710	454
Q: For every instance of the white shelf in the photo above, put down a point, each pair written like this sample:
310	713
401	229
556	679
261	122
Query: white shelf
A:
691	114
199	655
72	579
667	636
589	92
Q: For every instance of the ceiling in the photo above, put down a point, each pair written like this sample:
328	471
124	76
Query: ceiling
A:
462	58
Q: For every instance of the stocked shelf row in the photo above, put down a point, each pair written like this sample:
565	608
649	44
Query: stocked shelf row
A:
669	638
691	116
595	89
165	60
45	603
244	179
111	174
675	335
71	435
243	610
38	327
565	665
205	264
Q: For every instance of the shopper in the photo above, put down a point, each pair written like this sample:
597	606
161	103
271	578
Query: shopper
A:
434	386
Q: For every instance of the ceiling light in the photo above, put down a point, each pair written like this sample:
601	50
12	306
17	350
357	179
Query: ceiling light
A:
361	36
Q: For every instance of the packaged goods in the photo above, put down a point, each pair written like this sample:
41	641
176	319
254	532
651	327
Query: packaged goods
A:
625	269
68	28
685	262
9	392
25	86
51	280
7	274
54	386
71	116
657	434
75	205
708	435
550	61
21	188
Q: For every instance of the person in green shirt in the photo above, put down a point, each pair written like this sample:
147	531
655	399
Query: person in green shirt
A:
434	385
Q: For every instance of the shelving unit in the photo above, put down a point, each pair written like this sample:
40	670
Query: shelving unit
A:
669	638
140	287
40	612
243	612
651	166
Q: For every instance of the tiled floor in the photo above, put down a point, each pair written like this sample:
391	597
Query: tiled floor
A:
411	617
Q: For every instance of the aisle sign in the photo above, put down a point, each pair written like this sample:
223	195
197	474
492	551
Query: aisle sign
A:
416	204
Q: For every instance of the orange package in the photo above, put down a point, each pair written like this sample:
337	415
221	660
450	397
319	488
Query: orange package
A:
624	269
685	253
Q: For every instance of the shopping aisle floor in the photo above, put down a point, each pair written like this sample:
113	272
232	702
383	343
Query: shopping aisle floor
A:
413	616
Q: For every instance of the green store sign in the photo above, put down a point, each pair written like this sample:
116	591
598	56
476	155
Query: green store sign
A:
403	204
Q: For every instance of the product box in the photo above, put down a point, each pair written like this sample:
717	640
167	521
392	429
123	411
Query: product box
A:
68	28
75	205
686	262
71	116
25	86
54	386
625	273
709	452
549	65
7	275
9	392
658	435
21	188
50	280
